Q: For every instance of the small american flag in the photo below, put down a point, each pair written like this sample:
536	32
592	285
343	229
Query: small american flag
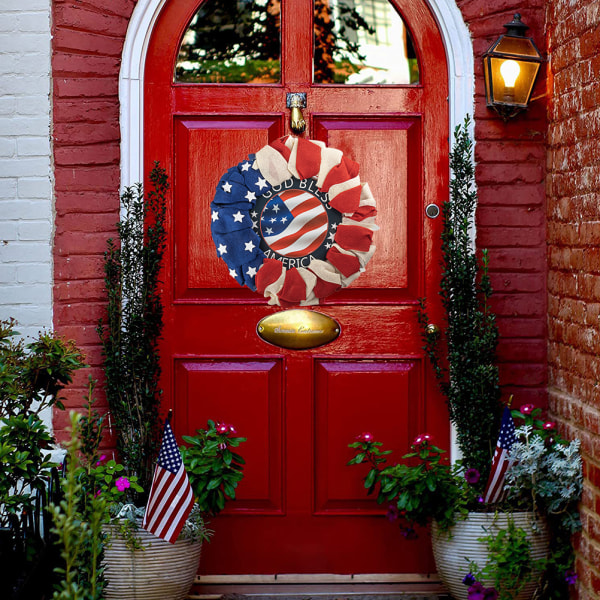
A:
171	498
494	490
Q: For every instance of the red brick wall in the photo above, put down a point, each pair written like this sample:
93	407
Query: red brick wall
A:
510	173
87	45
573	186
88	40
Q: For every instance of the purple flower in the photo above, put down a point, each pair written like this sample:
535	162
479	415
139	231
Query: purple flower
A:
365	437
101	460
393	514
409	533
122	484
480	500
469	579
490	594
527	409
472	476
476	591
570	577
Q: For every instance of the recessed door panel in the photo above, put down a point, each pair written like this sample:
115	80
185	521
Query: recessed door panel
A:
204	149
352	397
245	394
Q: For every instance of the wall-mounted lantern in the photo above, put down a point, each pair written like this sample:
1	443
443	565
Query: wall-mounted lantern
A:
511	65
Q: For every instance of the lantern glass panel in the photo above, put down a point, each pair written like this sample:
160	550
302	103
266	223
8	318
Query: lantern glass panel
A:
509	44
523	83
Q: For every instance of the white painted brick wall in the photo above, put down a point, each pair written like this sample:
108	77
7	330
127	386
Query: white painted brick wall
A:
26	202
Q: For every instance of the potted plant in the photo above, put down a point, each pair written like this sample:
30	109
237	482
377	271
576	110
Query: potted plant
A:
428	489
507	550
130	339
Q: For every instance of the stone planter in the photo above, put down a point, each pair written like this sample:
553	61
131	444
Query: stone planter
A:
454	549
156	571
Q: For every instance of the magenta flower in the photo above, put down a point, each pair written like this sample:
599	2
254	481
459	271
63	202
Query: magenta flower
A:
527	409
224	428
122	484
549	425
472	476
365	437
422	438
101	460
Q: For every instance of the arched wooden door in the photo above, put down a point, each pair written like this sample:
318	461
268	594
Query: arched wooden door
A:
300	508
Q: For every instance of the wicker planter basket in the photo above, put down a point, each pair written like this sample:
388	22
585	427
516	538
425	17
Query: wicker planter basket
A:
158	571
453	552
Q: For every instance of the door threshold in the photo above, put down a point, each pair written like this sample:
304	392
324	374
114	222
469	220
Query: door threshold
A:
364	586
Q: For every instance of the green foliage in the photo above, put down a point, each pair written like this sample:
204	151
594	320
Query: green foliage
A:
547	473
133	327
77	523
466	372
214	470
510	566
92	486
31	379
425	487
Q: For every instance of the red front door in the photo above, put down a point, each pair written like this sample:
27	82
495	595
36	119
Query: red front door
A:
300	508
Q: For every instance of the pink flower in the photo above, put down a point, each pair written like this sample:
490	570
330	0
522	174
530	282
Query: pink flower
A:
549	425
527	409
422	438
365	437
224	428
101	460
122	484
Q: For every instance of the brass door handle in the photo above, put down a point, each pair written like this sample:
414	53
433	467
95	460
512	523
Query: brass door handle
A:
296	101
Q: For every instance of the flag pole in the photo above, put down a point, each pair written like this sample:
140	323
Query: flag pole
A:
170	415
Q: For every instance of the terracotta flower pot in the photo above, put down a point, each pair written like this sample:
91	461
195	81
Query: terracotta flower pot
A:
156	571
454	550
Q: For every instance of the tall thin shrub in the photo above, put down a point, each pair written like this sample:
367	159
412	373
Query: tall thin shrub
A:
463	353
134	324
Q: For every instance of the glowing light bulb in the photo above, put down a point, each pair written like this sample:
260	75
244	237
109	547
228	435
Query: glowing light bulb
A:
510	70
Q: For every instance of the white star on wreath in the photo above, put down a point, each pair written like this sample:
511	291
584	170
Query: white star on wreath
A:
237	217
215	216
261	183
222	249
245	166
249	246
250	196
227	187
251	272
233	273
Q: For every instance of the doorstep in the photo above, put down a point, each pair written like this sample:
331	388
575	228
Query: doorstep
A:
318	587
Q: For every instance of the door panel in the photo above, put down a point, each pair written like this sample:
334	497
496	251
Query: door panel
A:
342	387
205	147
300	508
246	392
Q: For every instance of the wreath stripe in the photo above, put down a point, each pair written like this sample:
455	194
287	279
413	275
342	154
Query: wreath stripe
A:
234	222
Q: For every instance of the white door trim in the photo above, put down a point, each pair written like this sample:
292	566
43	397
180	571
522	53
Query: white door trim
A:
456	38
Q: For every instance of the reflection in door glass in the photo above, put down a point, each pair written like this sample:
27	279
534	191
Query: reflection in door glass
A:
362	42
235	41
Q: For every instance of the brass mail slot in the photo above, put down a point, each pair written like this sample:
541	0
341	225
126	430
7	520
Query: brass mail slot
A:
298	329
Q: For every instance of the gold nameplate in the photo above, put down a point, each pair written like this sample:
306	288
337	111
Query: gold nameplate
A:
298	329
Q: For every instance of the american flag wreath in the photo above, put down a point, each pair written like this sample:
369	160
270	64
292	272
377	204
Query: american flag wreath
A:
294	222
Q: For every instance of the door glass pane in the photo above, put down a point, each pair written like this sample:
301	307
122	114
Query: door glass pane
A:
362	42
234	41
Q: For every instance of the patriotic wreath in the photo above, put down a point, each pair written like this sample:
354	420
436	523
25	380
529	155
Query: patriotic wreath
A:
294	222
